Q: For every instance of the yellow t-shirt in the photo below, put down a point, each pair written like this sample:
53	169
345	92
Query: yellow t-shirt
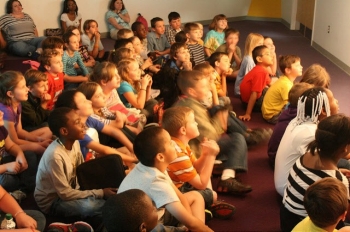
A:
276	97
307	225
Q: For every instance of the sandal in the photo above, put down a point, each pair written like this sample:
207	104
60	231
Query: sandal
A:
222	210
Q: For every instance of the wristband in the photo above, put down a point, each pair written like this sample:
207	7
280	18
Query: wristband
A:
18	213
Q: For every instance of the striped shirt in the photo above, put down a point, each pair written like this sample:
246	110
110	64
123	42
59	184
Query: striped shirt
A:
181	169
299	179
197	53
17	29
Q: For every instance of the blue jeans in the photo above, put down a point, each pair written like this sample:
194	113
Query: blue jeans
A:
233	151
87	207
22	48
24	181
36	215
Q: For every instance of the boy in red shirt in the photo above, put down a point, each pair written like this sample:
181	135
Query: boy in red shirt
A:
51	60
256	82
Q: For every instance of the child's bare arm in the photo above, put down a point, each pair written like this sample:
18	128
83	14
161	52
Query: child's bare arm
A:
207	52
138	101
223	91
251	103
75	78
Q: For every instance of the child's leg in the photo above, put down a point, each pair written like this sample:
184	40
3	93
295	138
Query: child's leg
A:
87	207
44	133
196	203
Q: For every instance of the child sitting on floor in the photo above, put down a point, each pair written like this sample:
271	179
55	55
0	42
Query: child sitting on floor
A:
13	91
57	191
35	111
119	216
276	96
155	150
256	82
186	171
215	36
326	203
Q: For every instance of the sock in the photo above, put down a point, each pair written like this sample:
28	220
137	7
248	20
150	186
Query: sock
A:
228	173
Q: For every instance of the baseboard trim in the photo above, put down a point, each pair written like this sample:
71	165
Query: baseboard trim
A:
331	57
285	23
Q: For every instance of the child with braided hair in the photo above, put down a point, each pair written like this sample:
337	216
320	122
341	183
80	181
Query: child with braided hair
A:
314	105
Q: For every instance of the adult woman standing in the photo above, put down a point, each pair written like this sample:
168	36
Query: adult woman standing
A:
117	17
70	15
21	35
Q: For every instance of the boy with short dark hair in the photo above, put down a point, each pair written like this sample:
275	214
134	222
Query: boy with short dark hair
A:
187	172
276	96
51	60
326	203
256	82
193	34
119	216
155	150
57	190
156	40
141	32
35	110
174	27
233	148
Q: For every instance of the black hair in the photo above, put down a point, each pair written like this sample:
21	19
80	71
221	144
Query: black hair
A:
66	99
125	211
216	56
173	16
58	119
65	7
154	21
120	43
148	144
257	51
9	6
135	25
332	134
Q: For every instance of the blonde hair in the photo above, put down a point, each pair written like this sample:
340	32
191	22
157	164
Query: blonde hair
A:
189	79
123	69
204	67
174	118
317	75
251	42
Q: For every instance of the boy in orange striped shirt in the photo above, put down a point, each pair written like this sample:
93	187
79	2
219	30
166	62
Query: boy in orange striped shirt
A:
186	171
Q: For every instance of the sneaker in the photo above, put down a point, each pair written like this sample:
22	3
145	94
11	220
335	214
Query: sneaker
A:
18	195
208	215
79	226
233	186
258	135
222	210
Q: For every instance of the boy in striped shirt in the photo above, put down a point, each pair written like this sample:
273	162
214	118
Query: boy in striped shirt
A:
193	33
187	172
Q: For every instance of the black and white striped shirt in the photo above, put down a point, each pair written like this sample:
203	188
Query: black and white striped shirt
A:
197	53
299	179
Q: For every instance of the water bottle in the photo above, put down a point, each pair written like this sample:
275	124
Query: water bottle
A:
8	222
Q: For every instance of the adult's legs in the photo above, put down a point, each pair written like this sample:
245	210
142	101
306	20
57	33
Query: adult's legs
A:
21	48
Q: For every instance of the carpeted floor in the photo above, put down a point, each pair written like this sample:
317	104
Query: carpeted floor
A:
259	210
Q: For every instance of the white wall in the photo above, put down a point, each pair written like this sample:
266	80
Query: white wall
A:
289	10
336	14
46	12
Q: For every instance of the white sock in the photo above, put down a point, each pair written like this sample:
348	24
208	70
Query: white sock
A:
228	173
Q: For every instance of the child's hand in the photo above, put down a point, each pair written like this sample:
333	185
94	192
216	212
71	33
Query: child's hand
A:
25	221
97	35
90	63
45	143
13	167
210	147
187	65
145	81
108	192
148	62
22	161
155	68
45	97
232	48
245	117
